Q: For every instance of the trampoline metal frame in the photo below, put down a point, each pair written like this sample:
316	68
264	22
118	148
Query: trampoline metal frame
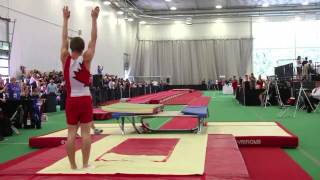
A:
133	119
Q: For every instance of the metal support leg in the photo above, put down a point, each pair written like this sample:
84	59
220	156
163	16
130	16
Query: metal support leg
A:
199	125
122	120
133	121
297	103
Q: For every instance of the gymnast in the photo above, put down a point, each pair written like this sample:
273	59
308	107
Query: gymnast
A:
76	66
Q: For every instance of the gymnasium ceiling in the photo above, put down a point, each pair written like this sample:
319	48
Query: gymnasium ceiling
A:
162	5
161	8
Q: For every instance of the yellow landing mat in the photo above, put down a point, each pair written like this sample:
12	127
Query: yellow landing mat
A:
107	129
131	108
187	158
234	128
246	129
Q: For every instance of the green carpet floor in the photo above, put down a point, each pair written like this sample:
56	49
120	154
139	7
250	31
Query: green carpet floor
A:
222	108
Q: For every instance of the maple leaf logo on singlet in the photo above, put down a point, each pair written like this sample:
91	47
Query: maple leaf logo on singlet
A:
82	75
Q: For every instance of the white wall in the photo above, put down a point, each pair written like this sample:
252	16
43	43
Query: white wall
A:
37	42
196	31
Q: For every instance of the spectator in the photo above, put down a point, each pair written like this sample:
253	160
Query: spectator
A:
305	70
299	67
240	80
100	70
311	68
260	83
305	61
234	85
245	82
314	98
13	89
253	81
52	87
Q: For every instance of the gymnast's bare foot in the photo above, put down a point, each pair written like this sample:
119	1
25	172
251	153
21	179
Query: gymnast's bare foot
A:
88	166
74	167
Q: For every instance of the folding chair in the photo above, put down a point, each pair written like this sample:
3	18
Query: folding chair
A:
316	109
286	107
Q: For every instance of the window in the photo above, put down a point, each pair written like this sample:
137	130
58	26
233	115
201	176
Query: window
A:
4	59
278	43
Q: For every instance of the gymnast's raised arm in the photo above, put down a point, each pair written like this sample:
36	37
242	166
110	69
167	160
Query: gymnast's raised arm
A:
65	42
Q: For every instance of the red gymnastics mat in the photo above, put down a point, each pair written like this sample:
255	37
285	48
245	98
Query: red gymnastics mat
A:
256	134
252	134
183	99
157	98
223	160
272	163
180	123
99	114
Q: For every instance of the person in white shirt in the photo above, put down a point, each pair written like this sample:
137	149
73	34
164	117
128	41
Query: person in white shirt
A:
314	99
316	93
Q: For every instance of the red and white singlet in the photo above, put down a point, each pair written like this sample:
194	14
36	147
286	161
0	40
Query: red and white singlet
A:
79	101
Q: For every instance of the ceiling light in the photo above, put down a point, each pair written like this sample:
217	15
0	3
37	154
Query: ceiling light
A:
265	5
218	6
130	19
142	22
173	8
188	23
120	12
297	18
306	3
168	0
107	3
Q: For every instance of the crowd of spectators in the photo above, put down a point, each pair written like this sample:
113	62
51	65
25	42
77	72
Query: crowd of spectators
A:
37	83
34	90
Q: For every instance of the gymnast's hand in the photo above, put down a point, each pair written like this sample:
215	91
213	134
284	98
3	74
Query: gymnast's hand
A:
66	12
95	12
